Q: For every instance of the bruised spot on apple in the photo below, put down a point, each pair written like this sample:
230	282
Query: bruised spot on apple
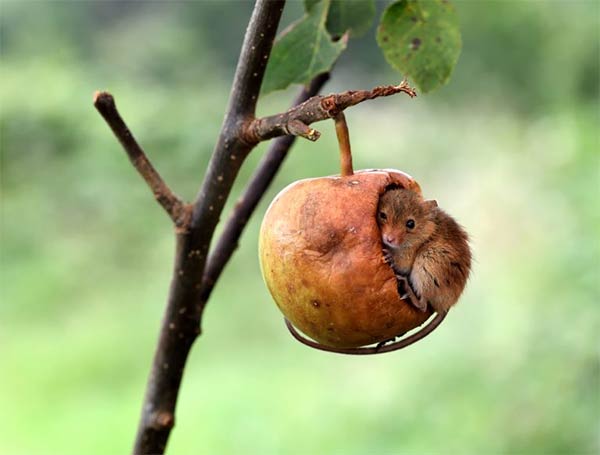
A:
321	257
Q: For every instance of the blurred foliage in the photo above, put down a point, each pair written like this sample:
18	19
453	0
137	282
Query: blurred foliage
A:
510	147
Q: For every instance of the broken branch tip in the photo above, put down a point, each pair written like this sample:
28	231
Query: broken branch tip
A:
103	98
313	135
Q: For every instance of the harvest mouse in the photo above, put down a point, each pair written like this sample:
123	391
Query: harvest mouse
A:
427	249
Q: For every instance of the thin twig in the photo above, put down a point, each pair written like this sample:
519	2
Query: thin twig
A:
105	104
315	109
246	204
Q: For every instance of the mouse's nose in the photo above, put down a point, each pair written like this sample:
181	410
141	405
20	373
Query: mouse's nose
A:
389	239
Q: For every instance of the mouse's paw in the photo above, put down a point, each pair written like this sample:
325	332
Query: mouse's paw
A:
387	258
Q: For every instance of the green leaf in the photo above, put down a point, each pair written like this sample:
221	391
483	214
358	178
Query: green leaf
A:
302	51
308	4
421	39
355	16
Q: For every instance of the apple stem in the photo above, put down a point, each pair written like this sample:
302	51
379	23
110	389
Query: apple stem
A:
341	129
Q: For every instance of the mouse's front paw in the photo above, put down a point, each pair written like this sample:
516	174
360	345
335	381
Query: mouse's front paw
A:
387	258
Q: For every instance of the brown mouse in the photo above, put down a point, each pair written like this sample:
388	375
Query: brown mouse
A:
427	249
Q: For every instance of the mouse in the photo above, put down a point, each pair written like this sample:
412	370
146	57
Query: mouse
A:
426	248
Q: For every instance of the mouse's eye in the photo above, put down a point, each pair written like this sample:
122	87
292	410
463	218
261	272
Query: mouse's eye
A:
410	224
382	216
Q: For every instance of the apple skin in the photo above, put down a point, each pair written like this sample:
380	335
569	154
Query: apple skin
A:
321	258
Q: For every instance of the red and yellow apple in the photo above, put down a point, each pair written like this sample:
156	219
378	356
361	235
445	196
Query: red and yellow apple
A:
321	257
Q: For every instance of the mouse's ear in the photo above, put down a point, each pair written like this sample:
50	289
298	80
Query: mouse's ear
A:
432	203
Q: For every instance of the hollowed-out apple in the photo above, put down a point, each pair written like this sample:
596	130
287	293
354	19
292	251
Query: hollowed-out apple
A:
321	258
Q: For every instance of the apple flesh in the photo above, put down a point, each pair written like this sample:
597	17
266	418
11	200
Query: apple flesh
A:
321	257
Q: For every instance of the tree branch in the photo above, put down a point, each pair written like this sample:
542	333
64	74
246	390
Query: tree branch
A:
315	109
254	57
105	104
246	204
232	148
183	314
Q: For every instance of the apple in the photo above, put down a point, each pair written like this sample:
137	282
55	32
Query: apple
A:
321	258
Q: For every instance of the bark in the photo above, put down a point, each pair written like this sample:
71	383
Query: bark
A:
182	320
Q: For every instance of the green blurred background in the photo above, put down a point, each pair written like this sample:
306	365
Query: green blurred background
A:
510	147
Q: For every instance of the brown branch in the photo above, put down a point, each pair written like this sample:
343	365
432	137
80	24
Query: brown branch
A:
315	109
183	314
232	148
246	204
105	104
254	57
